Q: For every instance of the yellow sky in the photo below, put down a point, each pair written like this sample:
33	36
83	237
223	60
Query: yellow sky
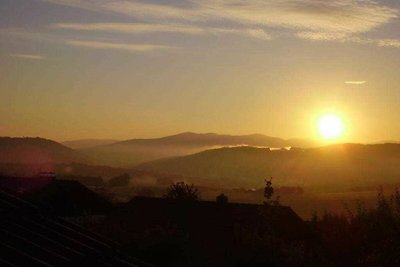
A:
75	69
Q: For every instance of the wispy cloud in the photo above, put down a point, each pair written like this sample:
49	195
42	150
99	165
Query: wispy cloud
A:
28	56
323	36
117	46
130	27
350	16
143	28
56	39
317	20
339	37
254	33
355	82
389	43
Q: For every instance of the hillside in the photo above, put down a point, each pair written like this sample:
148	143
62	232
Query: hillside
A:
87	143
62	170
37	150
341	165
132	152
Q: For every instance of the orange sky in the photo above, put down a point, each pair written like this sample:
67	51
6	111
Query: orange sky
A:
74	69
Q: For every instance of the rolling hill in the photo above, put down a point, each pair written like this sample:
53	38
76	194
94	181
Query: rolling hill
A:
27	157
342	165
132	152
87	143
37	150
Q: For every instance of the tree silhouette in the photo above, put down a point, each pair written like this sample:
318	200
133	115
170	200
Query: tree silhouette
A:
222	199
182	191
268	189
269	192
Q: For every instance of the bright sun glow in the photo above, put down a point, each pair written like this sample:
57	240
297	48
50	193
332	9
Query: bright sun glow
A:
330	126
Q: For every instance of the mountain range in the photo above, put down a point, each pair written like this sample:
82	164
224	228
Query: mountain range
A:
135	151
211	160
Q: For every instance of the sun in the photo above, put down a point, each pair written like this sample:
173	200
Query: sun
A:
330	126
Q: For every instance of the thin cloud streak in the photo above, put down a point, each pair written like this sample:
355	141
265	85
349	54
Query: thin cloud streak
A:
323	36
145	28
254	33
28	56
129	27
339	37
117	46
355	82
51	38
389	43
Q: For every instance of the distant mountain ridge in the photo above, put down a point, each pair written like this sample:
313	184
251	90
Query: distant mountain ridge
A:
334	165
135	151
210	159
86	143
213	139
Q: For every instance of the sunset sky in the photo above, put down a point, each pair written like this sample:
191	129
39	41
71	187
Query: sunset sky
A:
121	69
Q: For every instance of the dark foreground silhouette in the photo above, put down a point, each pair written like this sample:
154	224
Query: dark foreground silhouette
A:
31	237
182	231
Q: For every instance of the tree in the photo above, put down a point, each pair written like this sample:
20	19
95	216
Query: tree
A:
182	191
269	192
222	199
268	189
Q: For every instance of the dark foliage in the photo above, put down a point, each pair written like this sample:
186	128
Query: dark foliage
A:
90	181
121	180
171	232
182	191
269	192
222	199
365	237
